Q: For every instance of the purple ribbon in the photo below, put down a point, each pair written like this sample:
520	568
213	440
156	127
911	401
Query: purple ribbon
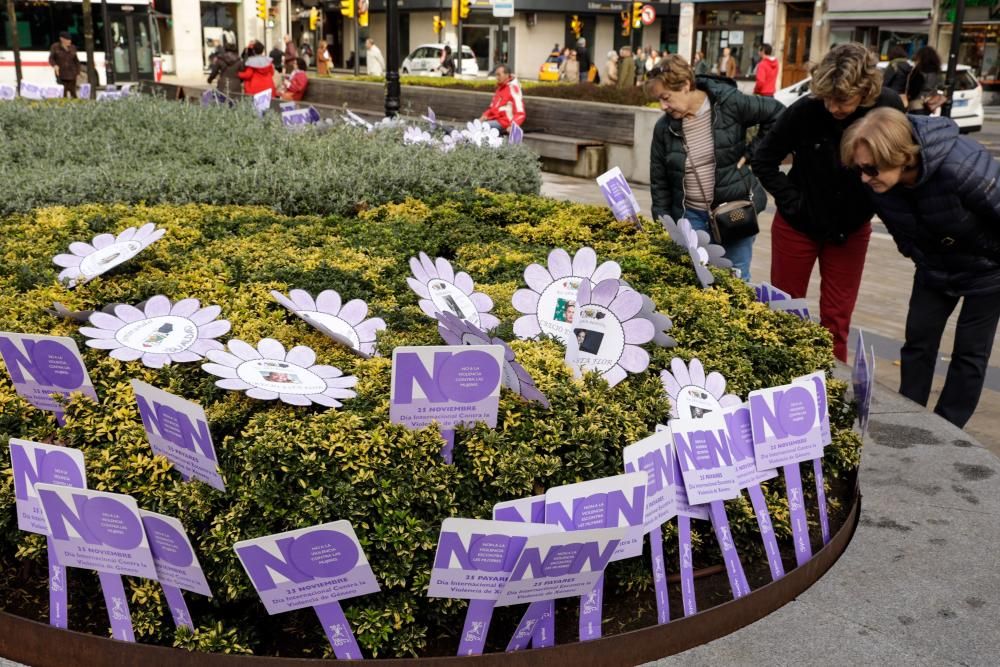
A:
58	613
591	611
117	603
734	568
477	624
447	451
766	531
659	575
824	518
178	608
687	568
338	631
800	527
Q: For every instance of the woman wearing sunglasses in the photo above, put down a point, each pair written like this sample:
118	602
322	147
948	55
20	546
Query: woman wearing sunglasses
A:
697	163
823	211
939	196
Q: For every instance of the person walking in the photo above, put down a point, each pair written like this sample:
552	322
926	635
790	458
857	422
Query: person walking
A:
447	66
569	70
767	72
324	61
226	68
65	63
936	192
289	55
583	57
258	72
612	68
923	88
697	159
701	66
823	211
626	69
897	72
374	59
727	64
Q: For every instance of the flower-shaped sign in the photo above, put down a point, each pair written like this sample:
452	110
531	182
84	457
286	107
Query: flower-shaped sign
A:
607	332
661	323
268	372
345	323
693	394
699	246
442	290
482	134
549	303
459	332
159	333
86	261
414	135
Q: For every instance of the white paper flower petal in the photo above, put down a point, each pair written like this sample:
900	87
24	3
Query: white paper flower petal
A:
129	314
634	359
128	234
93	332
186	356
353	312
607	271
327	372
428	265
525	300
222	371
488	322
527	326
303	300
261	394
419	287
638	331
185	308
367	330
103	343
604	293
224	358
626	305
482	302
126	354
337	384
215	329
301	355
537	277
560	264
697	372
271	349
418	270
102	241
325	400
444	270
680	371
294	399
155	360
206	315
615	375
328	301
66	261
670	385
463	281
243	350
203	346
105	321
158	306
715	383
584	262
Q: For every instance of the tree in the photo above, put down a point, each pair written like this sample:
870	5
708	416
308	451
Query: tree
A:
15	40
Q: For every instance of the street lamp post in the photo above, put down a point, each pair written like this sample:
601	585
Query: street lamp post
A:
392	88
956	41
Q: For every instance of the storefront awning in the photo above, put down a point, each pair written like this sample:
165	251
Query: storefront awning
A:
919	16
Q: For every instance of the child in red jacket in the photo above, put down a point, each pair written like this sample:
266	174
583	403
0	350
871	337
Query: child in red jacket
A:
258	74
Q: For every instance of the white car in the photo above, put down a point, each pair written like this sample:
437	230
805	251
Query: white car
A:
426	59
967	103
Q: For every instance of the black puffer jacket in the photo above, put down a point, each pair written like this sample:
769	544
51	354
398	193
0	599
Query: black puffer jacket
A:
819	197
949	222
732	114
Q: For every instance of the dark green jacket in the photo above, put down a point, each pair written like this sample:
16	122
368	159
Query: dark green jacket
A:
732	114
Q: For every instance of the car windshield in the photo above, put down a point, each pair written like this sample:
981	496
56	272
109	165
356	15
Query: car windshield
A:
965	81
552	59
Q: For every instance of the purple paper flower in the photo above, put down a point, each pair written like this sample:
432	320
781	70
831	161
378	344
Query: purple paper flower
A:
345	323
160	333
460	332
608	331
414	135
478	133
699	246
86	261
692	393
267	372
442	290
660	321
549	303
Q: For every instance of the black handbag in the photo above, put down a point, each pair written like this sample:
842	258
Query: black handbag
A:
732	220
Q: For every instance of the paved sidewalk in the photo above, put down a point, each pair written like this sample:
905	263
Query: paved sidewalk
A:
881	310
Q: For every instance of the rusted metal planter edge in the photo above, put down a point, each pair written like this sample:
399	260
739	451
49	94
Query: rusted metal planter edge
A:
40	645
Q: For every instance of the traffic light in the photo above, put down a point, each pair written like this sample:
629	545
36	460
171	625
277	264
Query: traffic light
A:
313	18
454	12
346	8
576	26
363	19
438	25
637	15
262	10
626	24
464	9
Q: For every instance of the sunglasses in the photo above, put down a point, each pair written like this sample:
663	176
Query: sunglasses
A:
869	170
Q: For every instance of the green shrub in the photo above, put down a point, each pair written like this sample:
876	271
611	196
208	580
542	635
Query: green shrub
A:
144	150
586	92
289	467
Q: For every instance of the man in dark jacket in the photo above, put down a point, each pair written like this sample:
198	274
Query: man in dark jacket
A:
227	69
938	194
583	57
65	63
823	209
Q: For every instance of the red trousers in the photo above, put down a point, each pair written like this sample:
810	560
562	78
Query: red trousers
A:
793	255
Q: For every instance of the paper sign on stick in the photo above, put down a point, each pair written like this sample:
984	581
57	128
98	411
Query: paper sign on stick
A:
178	430
311	567
31	463
819	380
619	196
177	566
43	365
446	384
100	531
473	560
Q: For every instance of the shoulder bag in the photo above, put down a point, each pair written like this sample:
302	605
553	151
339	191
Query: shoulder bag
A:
732	220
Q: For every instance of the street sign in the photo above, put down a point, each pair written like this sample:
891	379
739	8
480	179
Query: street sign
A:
503	9
647	15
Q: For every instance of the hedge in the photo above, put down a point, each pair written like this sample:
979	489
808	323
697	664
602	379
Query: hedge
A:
288	467
145	150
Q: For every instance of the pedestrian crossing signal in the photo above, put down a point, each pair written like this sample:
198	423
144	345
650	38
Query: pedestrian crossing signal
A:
464	8
347	8
576	26
262	10
313	18
637	15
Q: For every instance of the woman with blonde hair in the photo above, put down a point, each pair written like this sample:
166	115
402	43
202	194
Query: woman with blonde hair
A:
697	158
937	193
324	61
823	210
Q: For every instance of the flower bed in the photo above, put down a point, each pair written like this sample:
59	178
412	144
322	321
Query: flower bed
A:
147	150
287	467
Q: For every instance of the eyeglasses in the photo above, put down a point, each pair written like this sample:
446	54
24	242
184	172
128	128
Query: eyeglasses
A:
869	170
